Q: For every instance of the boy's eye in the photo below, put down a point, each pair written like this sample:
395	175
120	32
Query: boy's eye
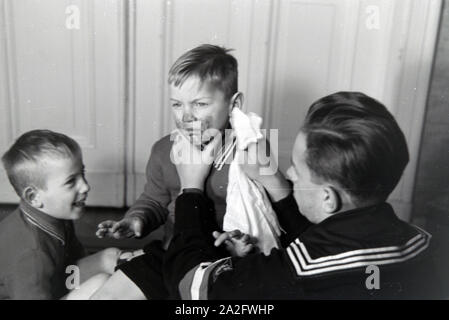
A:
70	182
201	104
175	104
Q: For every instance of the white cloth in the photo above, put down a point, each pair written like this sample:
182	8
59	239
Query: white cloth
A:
248	208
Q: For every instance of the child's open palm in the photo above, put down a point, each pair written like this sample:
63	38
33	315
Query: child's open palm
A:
125	228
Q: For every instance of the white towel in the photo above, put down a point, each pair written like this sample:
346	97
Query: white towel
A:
248	208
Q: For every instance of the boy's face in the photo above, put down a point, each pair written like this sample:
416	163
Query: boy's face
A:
67	189
198	106
308	194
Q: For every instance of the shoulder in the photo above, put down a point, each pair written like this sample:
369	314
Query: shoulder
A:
21	247
16	234
19	234
309	258
160	151
160	154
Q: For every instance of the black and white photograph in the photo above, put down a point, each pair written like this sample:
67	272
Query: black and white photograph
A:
232	150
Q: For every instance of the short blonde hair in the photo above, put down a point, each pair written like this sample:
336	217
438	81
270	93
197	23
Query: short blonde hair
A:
23	161
209	63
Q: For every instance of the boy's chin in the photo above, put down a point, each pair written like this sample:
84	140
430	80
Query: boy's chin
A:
80	210
73	214
76	213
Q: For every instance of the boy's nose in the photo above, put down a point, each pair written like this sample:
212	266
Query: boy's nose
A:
187	115
85	187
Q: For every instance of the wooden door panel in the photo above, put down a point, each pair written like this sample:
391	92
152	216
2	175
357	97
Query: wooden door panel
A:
68	78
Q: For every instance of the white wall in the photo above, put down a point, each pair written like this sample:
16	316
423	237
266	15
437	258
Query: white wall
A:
67	80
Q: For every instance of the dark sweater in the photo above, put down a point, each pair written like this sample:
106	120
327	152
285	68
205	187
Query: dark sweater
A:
35	250
328	260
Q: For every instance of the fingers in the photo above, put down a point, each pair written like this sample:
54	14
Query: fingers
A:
101	233
177	151
245	238
106	224
115	229
181	137
104	228
245	250
117	226
247	247
237	243
235	233
220	238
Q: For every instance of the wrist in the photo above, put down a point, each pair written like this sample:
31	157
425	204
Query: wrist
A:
192	190
193	185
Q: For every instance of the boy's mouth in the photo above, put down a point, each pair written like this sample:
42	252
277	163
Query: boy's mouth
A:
193	127
192	131
80	203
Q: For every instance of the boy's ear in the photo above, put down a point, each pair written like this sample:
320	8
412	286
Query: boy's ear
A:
332	200
236	101
31	195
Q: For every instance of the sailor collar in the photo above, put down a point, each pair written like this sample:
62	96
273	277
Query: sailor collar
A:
347	230
50	225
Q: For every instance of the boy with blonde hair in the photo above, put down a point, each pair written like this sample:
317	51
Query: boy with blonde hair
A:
203	91
37	240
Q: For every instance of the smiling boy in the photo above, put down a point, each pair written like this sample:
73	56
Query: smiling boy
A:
203	91
37	240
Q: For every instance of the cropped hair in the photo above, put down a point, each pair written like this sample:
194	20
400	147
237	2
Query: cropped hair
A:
209	63
24	160
354	141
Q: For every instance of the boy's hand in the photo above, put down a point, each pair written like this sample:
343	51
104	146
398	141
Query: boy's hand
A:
192	163
101	262
263	168
109	258
237	243
256	163
125	228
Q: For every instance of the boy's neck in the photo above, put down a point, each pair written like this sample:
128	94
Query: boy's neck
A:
47	223
28	208
348	207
